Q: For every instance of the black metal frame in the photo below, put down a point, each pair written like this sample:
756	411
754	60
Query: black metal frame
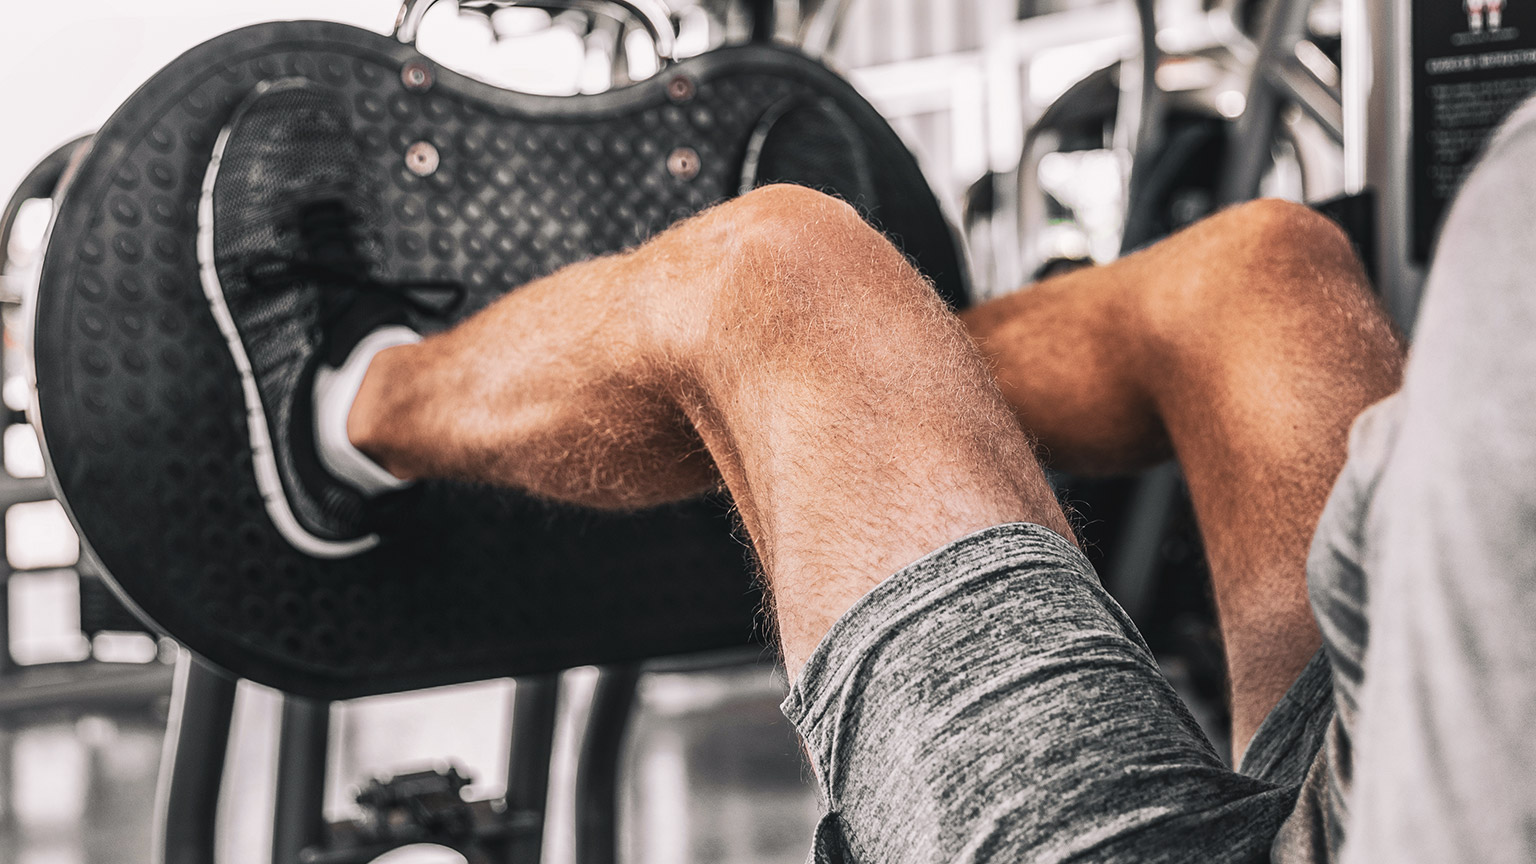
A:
535	702
599	763
197	739
298	821
510	832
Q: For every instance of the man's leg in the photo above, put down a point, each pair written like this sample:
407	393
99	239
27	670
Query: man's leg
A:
1244	345
777	336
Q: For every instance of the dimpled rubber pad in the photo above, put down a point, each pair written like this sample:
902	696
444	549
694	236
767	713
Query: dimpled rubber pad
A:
145	429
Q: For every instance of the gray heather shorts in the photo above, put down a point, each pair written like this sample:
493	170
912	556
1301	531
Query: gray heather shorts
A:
991	703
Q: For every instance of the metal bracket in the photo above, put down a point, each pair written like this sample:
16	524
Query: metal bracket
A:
424	802
652	15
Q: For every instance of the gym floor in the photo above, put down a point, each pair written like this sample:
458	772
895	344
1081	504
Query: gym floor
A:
714	773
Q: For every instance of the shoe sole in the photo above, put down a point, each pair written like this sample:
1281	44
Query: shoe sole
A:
263	457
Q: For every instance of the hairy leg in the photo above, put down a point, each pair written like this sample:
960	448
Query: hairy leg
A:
1245	346
776	338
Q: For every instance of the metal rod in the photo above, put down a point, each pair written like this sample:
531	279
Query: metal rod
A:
86	685
41	182
1314	97
299	816
535	700
196	738
597	765
1132	571
821	25
1249	155
1145	139
7	783
1149	125
764	20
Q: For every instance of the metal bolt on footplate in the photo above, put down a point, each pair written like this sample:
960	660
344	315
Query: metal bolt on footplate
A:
421	158
683	163
680	88
416	75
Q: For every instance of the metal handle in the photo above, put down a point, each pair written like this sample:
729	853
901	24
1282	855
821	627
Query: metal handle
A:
652	15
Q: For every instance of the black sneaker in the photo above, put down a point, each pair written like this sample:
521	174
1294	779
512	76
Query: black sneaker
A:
286	263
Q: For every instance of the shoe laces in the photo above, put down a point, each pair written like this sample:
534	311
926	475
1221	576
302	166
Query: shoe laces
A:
328	257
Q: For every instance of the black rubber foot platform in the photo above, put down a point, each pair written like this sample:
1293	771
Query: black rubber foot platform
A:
145	428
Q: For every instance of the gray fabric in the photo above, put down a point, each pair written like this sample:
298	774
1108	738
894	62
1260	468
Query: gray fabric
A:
991	703
1444	737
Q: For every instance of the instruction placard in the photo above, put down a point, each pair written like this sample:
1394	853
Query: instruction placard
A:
1473	62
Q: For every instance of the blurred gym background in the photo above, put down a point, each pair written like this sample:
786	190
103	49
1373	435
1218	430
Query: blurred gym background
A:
714	774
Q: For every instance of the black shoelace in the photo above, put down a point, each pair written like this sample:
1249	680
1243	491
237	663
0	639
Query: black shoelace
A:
329	259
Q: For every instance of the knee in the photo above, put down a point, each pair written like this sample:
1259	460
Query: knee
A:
787	203
1279	245
781	268
793	248
1281	229
785	222
1260	259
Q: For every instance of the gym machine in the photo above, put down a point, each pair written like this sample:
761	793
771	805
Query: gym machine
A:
1384	90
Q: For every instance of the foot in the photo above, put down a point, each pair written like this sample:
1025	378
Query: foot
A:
287	266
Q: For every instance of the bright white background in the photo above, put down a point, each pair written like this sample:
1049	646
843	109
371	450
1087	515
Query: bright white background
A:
69	64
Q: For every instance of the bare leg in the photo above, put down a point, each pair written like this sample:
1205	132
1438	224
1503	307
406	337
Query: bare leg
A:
777	337
1245	345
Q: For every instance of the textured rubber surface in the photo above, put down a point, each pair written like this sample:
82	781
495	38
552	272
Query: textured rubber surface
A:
141	414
